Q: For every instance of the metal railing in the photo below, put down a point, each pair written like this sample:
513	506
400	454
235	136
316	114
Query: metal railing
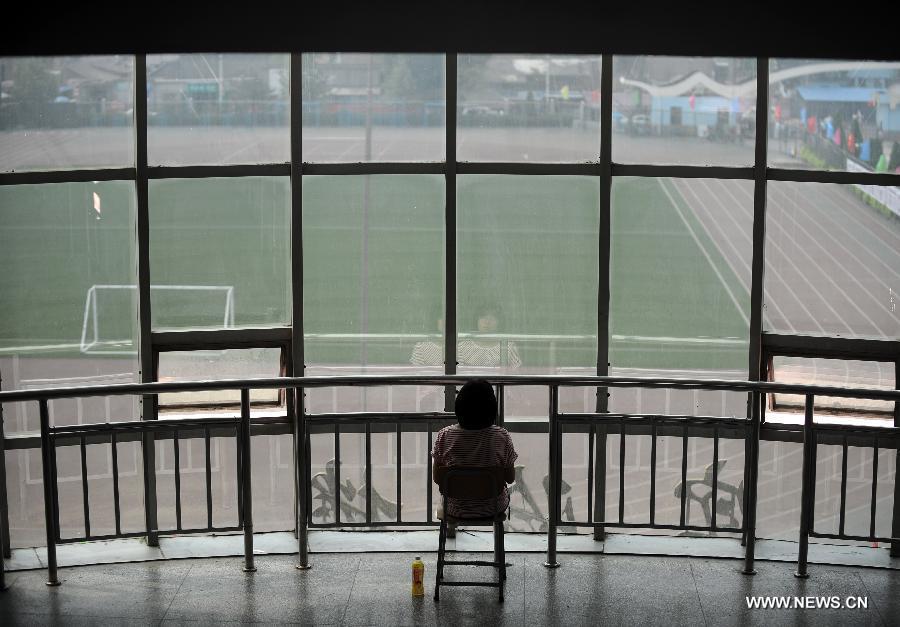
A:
596	425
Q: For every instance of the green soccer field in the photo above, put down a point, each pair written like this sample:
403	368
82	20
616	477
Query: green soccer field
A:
374	263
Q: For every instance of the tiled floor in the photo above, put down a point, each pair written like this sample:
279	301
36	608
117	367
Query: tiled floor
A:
373	589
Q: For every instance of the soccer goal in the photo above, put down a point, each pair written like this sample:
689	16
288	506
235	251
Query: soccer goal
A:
108	328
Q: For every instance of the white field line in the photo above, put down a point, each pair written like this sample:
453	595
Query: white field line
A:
680	340
771	270
815	220
726	211
831	253
815	289
687	225
862	245
737	255
865	218
349	148
771	267
684	186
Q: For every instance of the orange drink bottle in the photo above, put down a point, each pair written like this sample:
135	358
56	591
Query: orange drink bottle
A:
418	577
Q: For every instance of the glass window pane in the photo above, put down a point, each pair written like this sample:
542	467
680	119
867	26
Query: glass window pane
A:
832	261
62	113
373	107
527	277
210	365
834	115
684	110
528	107
220	252
218	109
680	285
844	373
67	279
374	283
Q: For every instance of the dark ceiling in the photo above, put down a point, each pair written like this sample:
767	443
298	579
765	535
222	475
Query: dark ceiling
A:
724	28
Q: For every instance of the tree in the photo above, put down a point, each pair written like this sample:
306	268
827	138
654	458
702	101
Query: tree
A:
895	157
32	86
33	80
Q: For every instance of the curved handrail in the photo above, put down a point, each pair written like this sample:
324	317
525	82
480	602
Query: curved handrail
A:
118	389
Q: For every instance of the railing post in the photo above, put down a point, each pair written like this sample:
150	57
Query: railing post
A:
3	585
751	475
4	502
246	478
301	457
49	495
553	505
806	503
895	523
605	220
4	521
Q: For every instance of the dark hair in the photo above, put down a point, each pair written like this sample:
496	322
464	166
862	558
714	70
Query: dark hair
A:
476	405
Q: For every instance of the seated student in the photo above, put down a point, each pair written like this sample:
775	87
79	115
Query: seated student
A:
477	442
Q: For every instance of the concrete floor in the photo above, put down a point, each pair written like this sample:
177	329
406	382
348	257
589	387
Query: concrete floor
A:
373	589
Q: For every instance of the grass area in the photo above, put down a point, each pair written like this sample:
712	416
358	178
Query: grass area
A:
664	286
526	253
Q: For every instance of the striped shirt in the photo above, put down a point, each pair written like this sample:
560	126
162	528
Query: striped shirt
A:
492	446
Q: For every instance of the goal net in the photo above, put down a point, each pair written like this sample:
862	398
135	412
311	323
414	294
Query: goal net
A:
108	327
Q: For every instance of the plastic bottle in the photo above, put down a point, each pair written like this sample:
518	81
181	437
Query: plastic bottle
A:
418	577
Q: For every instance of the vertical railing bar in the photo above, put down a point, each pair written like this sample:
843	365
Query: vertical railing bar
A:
239	472
302	463
368	473
86	502
428	492
603	264
337	473
114	443
554	437
49	495
843	486
5	547
895	515
684	462
807	489
246	486
209	509
501	404
55	487
450	323
599	486
399	449
652	471
874	488
176	444
757	271
146	357
715	478
590	477
621	471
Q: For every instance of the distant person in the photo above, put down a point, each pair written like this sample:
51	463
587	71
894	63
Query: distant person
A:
488	352
479	352
429	352
475	442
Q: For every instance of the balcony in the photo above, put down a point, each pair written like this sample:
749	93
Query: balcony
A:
723	523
